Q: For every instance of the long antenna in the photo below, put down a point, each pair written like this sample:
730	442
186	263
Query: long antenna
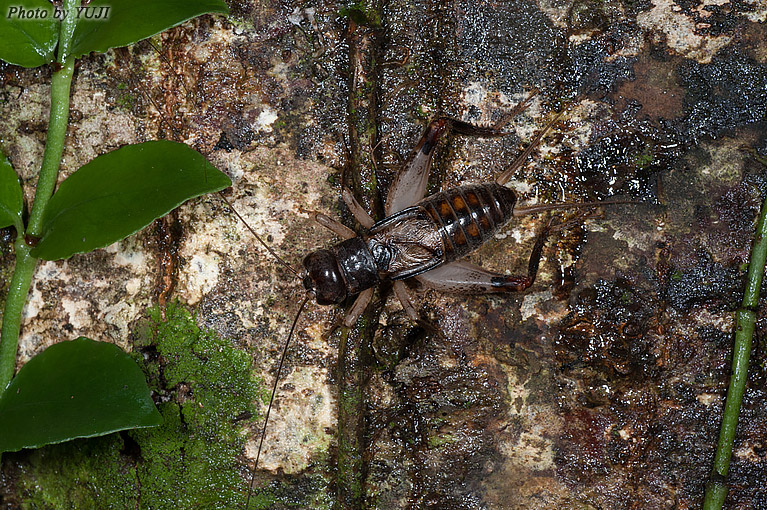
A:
506	175
518	108
271	399
521	211
258	238
520	160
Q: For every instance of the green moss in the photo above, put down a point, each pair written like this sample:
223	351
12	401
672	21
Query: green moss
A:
440	440
206	392
362	13
310	492
206	387
80	474
211	386
125	100
645	158
279	124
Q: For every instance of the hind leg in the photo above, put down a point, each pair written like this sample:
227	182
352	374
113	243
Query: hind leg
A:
465	278
409	185
400	290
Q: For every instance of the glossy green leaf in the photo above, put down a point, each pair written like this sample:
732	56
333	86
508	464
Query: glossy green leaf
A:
120	193
105	24
11	199
28	39
80	388
29	29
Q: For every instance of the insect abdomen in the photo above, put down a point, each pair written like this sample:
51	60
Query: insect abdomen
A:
468	216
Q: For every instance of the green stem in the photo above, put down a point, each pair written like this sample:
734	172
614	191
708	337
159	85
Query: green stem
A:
54	144
756	264
716	490
17	296
54	148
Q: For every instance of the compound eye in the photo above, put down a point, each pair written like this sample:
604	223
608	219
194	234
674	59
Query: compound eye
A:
324	277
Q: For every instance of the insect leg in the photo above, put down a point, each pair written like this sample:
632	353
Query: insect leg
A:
358	307
329	223
409	185
359	212
466	278
401	292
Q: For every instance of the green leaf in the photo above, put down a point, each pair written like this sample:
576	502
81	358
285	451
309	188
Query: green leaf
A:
11	199
28	41
120	193
30	28
80	388
105	24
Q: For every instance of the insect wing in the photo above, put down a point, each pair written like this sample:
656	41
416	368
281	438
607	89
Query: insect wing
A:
406	244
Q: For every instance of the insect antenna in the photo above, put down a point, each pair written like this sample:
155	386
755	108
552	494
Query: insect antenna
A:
258	238
521	211
284	349
518	108
138	84
507	174
520	160
271	398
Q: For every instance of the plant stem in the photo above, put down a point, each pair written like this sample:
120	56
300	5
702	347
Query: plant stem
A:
354	357
354	360
716	489
54	148
14	305
54	145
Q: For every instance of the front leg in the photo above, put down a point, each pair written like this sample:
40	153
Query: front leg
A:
359	305
359	212
329	223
